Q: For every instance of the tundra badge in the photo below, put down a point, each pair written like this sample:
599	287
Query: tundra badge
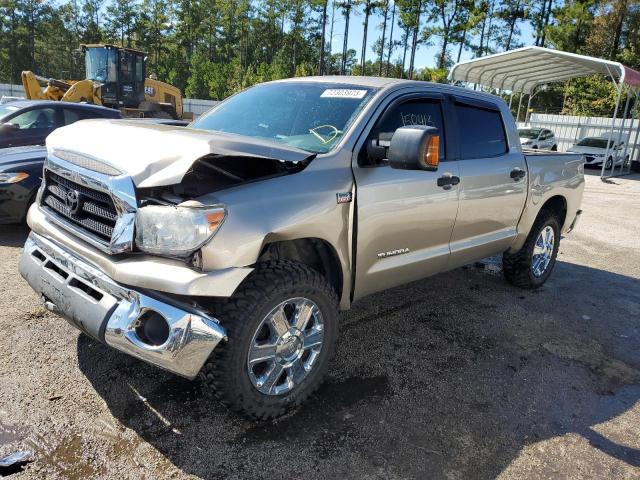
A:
392	253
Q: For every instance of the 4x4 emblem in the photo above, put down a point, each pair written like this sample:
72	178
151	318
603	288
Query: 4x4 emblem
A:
73	201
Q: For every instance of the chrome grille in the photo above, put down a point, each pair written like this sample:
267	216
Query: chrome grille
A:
86	208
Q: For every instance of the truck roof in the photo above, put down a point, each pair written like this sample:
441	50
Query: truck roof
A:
391	84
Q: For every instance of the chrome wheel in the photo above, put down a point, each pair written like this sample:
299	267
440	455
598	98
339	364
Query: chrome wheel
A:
285	346
543	251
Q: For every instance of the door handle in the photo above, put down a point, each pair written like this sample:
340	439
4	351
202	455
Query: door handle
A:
517	173
447	181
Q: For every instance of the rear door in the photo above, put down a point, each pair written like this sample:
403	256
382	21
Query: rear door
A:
493	183
404	219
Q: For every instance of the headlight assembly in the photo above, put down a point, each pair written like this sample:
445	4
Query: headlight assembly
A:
176	231
12	177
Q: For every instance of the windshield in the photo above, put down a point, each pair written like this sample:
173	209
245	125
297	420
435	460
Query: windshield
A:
594	142
529	133
101	64
310	116
6	110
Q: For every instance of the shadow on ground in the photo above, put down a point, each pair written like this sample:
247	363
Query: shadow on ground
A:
451	376
596	171
13	235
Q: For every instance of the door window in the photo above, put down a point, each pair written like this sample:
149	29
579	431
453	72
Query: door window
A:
73	115
412	112
139	69
40	118
482	133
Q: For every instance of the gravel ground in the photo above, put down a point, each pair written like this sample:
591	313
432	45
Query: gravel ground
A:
458	376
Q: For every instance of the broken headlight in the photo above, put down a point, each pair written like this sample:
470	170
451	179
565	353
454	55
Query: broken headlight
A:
177	231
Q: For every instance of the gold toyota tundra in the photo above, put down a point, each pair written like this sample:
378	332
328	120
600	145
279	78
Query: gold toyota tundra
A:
227	248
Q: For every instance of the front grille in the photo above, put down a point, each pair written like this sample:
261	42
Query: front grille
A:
86	208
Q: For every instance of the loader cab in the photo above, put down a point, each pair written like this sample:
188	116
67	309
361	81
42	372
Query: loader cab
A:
121	71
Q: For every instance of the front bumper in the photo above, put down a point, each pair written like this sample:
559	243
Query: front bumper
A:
112	313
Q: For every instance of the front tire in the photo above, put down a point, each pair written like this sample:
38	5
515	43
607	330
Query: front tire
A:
609	163
282	326
530	267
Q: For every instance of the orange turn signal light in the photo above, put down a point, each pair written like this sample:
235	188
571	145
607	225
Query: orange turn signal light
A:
214	219
432	152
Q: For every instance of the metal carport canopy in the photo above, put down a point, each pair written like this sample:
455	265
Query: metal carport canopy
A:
521	70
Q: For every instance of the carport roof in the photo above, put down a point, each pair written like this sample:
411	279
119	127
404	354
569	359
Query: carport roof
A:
521	70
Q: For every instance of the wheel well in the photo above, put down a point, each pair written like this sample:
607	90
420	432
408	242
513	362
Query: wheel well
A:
557	205
313	252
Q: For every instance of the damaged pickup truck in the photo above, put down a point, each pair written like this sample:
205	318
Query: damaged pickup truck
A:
227	248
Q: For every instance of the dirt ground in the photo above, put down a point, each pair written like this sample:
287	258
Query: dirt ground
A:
458	376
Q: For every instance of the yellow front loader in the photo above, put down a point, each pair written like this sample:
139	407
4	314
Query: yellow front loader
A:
116	78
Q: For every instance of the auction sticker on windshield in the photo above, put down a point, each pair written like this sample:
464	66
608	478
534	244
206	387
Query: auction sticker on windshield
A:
343	93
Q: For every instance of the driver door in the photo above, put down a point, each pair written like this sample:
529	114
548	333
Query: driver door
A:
404	218
33	127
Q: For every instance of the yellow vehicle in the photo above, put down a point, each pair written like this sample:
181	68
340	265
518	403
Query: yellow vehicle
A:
116	78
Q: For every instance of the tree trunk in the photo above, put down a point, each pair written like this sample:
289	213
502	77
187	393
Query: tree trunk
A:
414	45
333	19
443	53
546	24
404	54
324	29
384	33
393	18
464	39
618	32
367	10
512	25
488	35
345	38
540	25
484	23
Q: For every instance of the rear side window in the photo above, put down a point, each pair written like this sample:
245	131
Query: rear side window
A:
73	115
481	132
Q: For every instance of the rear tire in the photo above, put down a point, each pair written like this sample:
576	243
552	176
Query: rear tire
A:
530	267
554	148
272	300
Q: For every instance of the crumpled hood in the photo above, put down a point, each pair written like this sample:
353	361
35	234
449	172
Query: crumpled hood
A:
157	155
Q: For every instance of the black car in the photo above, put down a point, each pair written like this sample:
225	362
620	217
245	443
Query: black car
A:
20	177
28	122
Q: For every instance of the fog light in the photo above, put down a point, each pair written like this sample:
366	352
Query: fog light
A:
152	328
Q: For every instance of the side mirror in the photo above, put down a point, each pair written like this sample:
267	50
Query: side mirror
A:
416	147
9	127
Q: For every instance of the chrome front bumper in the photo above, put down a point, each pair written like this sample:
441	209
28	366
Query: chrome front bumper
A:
94	303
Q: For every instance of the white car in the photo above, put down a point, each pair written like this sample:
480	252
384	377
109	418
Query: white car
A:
537	138
595	148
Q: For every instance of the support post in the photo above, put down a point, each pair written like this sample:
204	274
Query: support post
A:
526	114
519	105
621	132
632	155
613	123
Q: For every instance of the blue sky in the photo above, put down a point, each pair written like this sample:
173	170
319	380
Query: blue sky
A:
425	55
